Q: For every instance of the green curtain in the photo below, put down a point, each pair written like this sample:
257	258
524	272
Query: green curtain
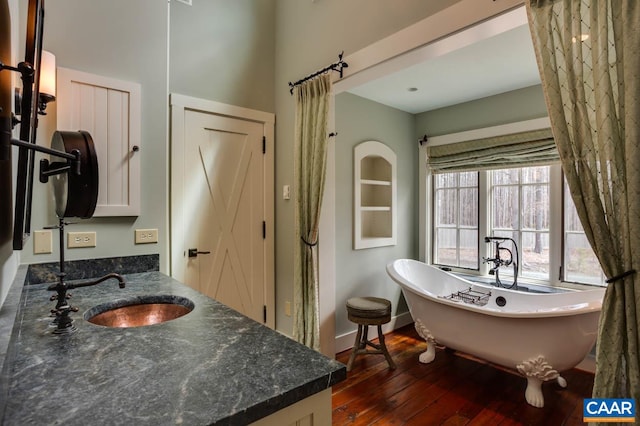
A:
311	139
528	148
588	54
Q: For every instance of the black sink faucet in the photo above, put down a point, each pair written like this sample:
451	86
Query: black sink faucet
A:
64	323
63	309
121	281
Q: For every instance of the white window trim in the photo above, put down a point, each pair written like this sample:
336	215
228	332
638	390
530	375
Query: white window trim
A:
491	132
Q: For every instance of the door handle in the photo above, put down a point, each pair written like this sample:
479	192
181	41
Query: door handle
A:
193	252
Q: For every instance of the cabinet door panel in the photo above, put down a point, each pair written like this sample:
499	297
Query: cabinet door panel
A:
109	110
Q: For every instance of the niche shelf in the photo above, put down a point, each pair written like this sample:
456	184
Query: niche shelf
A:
375	186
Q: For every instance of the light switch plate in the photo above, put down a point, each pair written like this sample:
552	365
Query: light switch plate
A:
42	243
146	236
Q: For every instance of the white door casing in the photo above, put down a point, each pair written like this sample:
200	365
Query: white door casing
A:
221	193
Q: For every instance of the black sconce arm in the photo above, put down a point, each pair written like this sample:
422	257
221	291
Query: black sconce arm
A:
73	160
23	68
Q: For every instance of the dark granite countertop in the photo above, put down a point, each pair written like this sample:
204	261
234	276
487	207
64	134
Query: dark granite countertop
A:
212	365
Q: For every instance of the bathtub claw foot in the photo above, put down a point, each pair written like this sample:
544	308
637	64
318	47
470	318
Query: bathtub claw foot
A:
430	354
537	370
562	382
533	394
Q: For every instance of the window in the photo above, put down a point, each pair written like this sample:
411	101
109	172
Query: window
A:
581	264
456	219
520	204
520	210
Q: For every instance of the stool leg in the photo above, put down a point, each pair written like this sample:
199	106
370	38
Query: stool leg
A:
356	346
365	337
383	346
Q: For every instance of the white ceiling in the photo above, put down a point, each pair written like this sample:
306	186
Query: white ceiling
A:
487	62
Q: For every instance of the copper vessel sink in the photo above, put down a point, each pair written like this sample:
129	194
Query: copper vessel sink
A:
139	311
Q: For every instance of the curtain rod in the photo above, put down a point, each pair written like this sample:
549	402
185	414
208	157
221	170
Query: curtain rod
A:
336	66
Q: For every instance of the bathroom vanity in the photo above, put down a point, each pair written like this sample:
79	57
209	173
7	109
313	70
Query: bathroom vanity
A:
210	366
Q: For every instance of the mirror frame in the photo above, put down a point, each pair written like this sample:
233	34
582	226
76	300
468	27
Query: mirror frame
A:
6	99
28	123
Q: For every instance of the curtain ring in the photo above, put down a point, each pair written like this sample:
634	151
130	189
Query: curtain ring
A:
621	276
308	243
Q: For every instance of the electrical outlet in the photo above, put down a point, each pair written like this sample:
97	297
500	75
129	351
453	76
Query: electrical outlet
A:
81	239
42	243
287	308
146	236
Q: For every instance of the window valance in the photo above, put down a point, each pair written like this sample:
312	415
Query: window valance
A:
528	148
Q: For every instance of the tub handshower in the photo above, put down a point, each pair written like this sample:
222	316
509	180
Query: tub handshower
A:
498	261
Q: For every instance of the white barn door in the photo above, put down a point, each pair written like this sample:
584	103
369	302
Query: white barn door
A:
221	203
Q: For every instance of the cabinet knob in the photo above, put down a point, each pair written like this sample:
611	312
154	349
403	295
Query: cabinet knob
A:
135	148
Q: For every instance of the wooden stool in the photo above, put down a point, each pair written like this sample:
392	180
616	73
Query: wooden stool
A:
366	311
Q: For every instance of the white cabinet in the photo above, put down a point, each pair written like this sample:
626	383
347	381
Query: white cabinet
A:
109	110
375	190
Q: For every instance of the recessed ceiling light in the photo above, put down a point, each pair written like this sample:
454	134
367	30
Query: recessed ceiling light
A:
412	89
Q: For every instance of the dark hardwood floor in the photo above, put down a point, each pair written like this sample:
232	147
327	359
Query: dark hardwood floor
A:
452	390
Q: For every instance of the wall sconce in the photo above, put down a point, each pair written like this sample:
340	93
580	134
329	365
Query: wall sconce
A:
47	81
47	85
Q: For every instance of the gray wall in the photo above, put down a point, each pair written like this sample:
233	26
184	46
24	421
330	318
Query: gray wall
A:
98	37
218	50
309	36
227	52
224	51
510	107
362	272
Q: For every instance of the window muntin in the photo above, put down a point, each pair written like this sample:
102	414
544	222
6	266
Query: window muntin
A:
456	219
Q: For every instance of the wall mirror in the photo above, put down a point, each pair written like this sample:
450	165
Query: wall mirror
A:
6	193
16	222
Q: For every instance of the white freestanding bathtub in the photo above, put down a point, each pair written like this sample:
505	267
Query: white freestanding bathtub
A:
539	335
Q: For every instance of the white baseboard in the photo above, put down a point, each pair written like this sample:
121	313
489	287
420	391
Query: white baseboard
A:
345	341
